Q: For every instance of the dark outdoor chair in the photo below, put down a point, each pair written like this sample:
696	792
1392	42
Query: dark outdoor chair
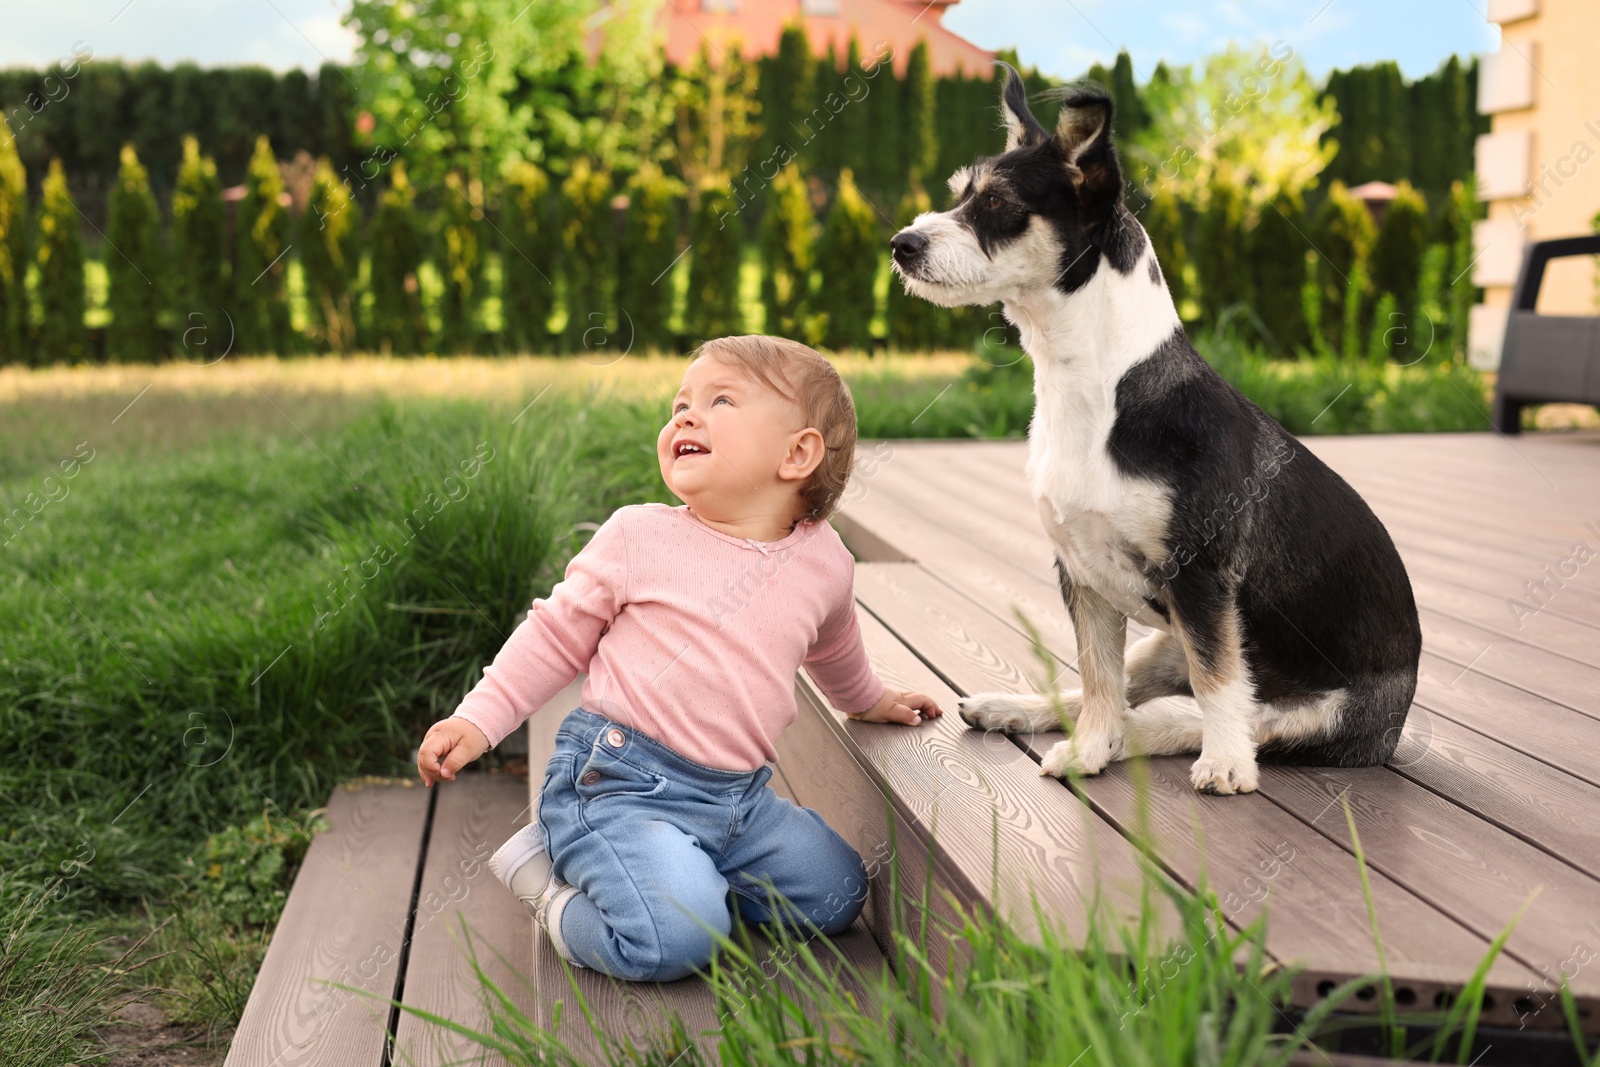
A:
1546	358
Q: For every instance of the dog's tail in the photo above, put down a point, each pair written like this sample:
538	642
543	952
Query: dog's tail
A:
1363	731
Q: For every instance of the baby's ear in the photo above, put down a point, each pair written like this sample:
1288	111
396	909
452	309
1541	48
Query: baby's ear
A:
804	456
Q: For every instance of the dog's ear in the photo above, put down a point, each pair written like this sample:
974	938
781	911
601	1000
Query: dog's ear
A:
1083	134
1022	129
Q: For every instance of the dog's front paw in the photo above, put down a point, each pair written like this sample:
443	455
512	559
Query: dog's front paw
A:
1224	776
1086	752
1015	713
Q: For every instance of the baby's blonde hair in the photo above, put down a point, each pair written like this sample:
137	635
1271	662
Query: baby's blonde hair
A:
803	376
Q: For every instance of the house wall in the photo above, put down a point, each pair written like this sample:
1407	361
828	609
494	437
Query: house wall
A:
1539	168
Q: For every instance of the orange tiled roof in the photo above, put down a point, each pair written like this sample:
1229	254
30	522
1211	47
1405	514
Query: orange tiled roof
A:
756	25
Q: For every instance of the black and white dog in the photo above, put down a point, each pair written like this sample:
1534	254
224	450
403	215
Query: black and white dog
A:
1276	597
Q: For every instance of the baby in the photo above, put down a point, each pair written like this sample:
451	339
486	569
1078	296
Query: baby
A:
691	622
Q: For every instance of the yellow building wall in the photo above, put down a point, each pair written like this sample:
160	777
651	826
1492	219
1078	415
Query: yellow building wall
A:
1562	43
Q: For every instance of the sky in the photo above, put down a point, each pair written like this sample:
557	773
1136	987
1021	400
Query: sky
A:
1060	37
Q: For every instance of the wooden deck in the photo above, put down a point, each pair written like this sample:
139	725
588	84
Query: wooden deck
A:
1492	803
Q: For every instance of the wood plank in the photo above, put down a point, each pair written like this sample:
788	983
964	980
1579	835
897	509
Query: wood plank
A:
1313	906
367	861
985	804
1544	806
474	815
1556	678
1478	874
1529	724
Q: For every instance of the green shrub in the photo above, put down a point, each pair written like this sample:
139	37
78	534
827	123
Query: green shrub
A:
13	253
245	872
62	336
134	267
529	258
848	258
1397	252
459	257
1342	234
788	240
1163	223
200	280
649	247
398	324
586	241
717	235
260	267
915	324
1220	251
330	257
1276	253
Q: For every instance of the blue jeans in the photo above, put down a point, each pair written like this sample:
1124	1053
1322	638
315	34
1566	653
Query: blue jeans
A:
655	841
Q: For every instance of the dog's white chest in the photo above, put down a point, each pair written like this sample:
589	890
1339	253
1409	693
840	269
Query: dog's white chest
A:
1104	526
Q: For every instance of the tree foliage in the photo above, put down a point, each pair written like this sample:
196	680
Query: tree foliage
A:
330	256
199	278
62	336
260	270
458	255
13	251
788	240
529	257
134	268
850	252
397	320
1251	120
649	247
713	307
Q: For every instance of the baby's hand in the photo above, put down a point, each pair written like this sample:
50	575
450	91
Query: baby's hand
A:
450	745
898	705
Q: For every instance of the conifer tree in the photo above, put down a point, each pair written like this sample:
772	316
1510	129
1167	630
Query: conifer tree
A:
786	95
62	336
13	253
397	321
529	258
459	256
788	239
133	267
1164	223
921	131
1277	262
1397	251
713	305
1224	278
260	266
1456	232
1343	234
849	255
851	127
649	246
1130	114
199	280
915	324
330	257
590	254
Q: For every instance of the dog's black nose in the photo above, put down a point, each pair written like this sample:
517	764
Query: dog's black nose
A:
908	245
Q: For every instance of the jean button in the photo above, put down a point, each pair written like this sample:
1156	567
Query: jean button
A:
591	778
615	738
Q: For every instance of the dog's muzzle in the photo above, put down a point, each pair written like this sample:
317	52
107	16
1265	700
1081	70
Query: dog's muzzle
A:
908	247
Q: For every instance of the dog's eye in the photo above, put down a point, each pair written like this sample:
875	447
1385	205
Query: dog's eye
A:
995	203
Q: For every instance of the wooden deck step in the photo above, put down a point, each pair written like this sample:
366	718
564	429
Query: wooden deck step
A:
345	921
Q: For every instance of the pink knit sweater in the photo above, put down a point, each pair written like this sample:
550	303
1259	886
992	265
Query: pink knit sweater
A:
690	635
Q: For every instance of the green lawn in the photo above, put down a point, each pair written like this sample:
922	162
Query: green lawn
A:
264	577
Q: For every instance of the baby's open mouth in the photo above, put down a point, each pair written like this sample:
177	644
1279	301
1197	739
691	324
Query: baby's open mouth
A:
689	448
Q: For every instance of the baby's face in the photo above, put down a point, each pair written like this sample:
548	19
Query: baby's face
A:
722	447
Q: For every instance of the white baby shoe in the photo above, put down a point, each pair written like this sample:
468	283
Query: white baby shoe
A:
523	865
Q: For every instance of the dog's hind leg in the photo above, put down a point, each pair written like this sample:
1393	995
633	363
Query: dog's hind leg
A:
1098	736
1157	667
